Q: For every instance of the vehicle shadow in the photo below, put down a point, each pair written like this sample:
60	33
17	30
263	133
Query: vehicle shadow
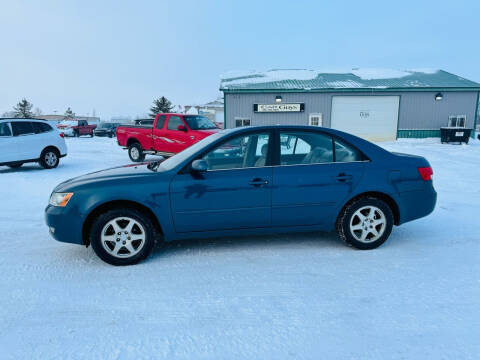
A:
309	239
24	168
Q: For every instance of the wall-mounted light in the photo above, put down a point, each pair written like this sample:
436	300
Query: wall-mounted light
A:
278	99
438	96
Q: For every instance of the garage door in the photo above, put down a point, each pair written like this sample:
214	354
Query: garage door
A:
370	117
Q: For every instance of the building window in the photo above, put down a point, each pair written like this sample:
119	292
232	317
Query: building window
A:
457	121
239	122
315	120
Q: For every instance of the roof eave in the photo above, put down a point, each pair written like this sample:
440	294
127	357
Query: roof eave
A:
391	89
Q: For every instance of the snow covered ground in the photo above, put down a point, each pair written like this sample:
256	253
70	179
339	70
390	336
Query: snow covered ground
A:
291	296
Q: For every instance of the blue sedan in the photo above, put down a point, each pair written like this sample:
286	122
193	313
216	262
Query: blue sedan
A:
250	180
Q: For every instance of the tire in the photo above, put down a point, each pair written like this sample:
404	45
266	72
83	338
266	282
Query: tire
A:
135	152
15	166
365	223
76	133
49	158
110	135
115	243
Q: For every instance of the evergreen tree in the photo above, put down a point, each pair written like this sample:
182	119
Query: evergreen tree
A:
23	109
161	105
69	114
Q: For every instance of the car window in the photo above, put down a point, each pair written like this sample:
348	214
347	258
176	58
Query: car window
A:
305	148
39	127
173	123
5	129
22	128
346	153
196	122
161	121
239	152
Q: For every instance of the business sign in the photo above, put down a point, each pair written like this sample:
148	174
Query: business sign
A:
279	107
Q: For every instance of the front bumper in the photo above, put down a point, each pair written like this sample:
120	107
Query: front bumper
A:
101	133
65	224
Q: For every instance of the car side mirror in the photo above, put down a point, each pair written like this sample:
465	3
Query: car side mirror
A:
199	165
181	128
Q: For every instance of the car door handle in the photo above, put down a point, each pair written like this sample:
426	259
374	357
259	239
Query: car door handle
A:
343	177
258	182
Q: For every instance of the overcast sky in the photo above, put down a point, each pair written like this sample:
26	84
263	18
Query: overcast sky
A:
116	56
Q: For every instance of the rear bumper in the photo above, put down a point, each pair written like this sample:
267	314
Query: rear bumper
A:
417	204
64	225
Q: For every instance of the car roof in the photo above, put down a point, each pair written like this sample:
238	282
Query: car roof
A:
23	119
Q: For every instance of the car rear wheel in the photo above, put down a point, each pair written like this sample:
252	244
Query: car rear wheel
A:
49	158
135	152
365	223
122	236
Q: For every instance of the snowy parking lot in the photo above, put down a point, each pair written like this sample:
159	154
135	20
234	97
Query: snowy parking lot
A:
303	296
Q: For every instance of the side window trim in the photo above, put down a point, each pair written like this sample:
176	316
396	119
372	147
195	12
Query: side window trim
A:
277	153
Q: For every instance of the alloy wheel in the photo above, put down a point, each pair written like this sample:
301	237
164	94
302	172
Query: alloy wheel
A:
51	158
368	224
123	237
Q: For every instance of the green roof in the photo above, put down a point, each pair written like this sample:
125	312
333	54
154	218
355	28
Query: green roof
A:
354	79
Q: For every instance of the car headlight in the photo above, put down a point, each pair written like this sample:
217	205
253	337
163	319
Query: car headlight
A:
60	199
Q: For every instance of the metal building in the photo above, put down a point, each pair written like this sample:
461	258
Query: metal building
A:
377	104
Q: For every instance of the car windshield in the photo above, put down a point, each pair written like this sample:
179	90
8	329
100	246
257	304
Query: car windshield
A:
104	125
175	160
196	122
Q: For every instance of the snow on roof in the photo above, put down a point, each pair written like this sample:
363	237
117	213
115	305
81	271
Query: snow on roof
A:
377	78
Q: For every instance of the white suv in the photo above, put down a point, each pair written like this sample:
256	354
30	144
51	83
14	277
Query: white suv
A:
30	140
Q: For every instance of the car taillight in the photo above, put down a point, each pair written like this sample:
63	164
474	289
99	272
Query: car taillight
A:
426	173
62	135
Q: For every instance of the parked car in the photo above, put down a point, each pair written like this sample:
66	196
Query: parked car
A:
106	129
168	135
76	127
243	181
30	140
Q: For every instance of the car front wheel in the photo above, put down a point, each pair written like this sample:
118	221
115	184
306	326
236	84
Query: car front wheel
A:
49	158
366	223
122	236
135	152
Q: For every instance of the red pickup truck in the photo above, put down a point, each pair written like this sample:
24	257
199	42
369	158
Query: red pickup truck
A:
76	128
169	134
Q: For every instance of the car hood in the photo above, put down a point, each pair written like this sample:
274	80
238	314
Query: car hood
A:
128	173
208	132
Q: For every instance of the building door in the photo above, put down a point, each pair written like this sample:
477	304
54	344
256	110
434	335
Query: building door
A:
315	119
373	118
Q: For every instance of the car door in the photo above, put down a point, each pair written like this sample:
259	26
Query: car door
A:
235	191
308	185
8	144
177	139
160	141
27	147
